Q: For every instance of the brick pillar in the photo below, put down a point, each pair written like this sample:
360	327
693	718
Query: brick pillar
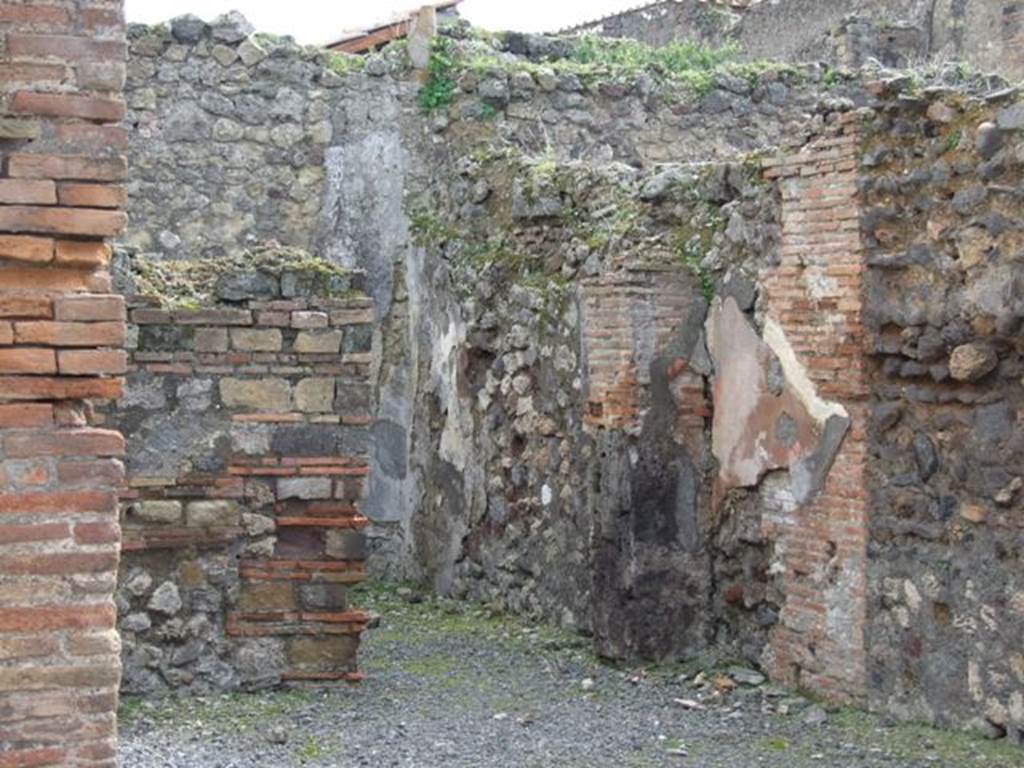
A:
815	296
61	338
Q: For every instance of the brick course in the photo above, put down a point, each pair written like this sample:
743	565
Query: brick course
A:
58	471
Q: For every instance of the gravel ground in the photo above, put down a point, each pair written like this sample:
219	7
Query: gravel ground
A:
450	686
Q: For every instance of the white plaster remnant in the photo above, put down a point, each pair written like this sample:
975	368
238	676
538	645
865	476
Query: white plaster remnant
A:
974	680
771	416
797	376
820	285
443	361
913	597
546	494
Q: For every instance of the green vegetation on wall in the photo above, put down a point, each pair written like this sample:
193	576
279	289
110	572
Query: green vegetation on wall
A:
685	66
693	241
675	59
439	89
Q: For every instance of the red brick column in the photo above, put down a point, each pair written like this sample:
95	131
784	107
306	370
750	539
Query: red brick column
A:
815	296
61	337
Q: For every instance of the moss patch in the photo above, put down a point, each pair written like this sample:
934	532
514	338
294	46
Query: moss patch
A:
190	284
685	68
235	711
344	64
921	742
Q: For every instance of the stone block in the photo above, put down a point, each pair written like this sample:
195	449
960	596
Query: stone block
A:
307	320
323	597
224	55
157	511
353	398
231	27
315	653
135	622
273	318
212	514
188	28
351	316
256	339
251	439
267	597
164	338
305	440
257	525
240	286
211	340
262	548
261	394
971	362
346	545
15	128
318	342
1011	118
304	488
358	338
138	583
250	52
191	574
165	599
315	395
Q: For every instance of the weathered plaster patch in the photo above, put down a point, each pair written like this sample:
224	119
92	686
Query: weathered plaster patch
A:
768	414
843	617
796	375
820	285
443	365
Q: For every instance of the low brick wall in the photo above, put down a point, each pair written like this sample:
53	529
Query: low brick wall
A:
248	438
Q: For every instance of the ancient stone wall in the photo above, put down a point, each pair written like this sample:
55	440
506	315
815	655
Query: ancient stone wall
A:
570	263
942	224
983	33
540	107
247	457
62	334
795	29
248	399
581	367
228	132
542	104
665	22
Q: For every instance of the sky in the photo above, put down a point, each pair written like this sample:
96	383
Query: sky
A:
317	21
